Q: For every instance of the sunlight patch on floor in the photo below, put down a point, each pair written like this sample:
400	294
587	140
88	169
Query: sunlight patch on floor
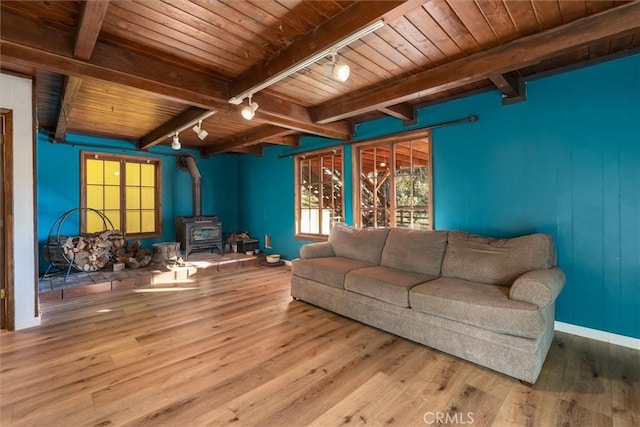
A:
171	289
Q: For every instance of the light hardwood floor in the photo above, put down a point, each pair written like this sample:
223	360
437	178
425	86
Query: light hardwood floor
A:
233	348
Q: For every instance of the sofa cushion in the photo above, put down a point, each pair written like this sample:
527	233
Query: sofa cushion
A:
496	261
361	244
329	271
383	283
477	304
417	251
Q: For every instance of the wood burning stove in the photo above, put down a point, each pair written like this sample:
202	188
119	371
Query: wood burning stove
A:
197	232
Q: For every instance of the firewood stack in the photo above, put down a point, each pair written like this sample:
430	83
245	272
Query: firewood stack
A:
93	252
135	256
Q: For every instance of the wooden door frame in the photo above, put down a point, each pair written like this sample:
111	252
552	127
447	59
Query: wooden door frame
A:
8	303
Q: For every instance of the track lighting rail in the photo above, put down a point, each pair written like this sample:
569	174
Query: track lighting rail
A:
197	128
238	99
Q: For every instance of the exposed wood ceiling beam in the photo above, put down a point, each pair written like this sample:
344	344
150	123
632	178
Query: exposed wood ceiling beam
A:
176	89
186	89
279	112
159	134
502	59
254	136
252	149
289	140
507	83
404	112
91	16
512	87
70	91
26	43
353	18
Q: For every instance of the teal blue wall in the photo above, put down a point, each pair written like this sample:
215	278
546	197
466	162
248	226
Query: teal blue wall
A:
58	178
564	162
267	202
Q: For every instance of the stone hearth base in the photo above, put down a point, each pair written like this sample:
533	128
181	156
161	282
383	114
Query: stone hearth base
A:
80	283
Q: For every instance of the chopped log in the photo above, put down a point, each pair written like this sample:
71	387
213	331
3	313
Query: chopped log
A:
166	251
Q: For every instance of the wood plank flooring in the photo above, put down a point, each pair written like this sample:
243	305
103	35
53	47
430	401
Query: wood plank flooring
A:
233	348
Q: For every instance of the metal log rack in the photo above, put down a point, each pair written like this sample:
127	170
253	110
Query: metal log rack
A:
65	264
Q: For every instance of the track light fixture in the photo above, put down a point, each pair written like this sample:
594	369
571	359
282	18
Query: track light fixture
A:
197	128
250	109
338	70
202	134
175	142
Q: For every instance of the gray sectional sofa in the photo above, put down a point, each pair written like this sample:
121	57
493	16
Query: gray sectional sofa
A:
489	301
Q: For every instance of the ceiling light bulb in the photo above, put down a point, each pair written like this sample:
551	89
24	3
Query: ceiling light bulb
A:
175	142
340	72
250	110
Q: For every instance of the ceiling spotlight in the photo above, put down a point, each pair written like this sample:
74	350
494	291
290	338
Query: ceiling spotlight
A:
250	110
202	134
175	142
338	70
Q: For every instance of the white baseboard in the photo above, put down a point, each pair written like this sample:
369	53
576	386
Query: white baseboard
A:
598	335
27	323
287	262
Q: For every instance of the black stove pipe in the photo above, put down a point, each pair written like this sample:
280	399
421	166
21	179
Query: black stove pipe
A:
187	163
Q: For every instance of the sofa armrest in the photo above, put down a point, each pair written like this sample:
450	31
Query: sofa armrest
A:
539	287
317	250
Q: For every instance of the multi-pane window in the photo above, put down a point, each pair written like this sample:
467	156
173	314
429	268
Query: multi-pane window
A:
395	184
319	193
125	189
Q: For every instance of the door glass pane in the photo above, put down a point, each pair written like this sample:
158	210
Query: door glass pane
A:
327	169
403	217
114	217
420	190
383	218
305	196
314	170
112	197
95	196
147	198
421	219
133	174
367	216
420	154
337	216
111	172
403	158
133	197
327	195
95	171
94	222
133	221
383	195
148	221
147	175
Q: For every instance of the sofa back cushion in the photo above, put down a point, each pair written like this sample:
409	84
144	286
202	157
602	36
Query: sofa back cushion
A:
416	251
496	261
360	244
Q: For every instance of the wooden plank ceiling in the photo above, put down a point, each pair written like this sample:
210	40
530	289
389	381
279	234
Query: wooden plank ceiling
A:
139	69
